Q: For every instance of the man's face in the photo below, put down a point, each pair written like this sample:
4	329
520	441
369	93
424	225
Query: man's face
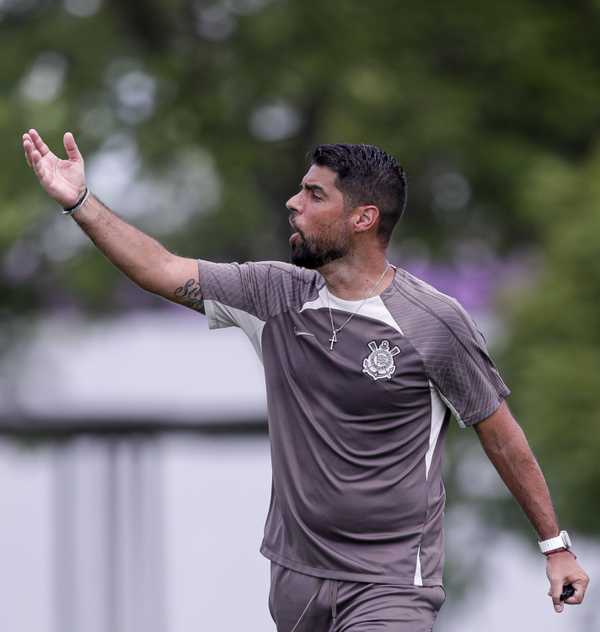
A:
320	220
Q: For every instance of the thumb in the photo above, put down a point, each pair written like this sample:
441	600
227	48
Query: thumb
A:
556	587
71	148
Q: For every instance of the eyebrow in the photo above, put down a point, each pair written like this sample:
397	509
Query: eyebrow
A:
313	187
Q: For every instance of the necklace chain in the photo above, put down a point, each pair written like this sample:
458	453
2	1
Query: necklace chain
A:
336	330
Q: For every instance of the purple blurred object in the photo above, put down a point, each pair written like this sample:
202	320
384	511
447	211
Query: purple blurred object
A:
473	283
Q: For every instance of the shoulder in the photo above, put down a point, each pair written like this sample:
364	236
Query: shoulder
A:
262	288
263	270
284	269
427	311
283	276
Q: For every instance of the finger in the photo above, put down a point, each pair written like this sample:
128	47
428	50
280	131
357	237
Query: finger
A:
556	587
40	171
40	145
29	151
71	148
27	148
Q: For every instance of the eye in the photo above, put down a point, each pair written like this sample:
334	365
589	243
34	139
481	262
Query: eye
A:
316	196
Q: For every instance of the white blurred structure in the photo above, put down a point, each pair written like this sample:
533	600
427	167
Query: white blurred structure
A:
116	556
150	368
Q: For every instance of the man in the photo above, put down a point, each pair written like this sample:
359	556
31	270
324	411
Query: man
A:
363	365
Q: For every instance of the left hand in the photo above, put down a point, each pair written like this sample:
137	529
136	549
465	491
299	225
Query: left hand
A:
562	568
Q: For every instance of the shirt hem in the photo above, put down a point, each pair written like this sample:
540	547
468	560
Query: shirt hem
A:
214	322
484	414
324	573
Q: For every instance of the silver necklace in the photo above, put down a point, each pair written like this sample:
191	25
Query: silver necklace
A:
336	330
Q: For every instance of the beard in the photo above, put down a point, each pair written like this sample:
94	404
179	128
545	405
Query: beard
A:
315	252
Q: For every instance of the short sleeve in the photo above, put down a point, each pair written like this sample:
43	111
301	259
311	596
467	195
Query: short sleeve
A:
233	293
463	371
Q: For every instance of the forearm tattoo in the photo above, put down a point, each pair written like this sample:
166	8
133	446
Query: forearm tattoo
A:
190	295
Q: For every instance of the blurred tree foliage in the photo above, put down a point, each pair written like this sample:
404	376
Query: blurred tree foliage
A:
471	98
554	352
492	108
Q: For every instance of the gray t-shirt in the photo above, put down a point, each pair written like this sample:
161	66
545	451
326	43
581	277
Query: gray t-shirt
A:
356	432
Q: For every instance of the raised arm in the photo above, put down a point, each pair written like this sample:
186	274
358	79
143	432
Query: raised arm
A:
506	446
146	262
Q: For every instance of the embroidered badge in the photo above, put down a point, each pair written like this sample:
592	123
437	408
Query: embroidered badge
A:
380	362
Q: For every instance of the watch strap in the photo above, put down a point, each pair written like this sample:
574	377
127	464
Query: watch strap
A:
561	541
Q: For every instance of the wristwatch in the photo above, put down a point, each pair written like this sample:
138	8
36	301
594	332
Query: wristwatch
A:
561	541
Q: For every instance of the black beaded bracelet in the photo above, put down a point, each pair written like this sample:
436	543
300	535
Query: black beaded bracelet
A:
72	209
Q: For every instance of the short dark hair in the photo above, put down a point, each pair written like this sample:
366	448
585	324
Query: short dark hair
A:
367	175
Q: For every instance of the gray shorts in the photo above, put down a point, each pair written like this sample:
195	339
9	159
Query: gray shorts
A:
303	603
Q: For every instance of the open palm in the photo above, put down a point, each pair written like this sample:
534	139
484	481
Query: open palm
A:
63	180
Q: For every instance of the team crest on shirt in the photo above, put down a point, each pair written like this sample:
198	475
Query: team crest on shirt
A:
380	362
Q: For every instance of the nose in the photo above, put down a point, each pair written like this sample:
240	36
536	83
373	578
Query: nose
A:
293	204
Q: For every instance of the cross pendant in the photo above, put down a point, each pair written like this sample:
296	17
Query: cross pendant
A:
332	340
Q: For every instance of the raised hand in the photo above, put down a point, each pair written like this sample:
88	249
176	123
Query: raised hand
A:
63	180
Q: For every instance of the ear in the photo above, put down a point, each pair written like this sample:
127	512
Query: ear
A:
365	218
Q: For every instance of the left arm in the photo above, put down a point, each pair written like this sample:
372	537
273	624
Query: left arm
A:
507	448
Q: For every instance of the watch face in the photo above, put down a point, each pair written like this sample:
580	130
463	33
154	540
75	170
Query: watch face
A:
566	539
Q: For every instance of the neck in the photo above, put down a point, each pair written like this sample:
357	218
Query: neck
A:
354	278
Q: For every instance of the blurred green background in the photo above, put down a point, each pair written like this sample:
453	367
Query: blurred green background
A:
493	109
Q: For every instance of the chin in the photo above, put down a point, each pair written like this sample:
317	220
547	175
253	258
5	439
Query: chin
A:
305	257
298	259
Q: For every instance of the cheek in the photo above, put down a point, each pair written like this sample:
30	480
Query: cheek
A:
329	220
324	224
339	231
